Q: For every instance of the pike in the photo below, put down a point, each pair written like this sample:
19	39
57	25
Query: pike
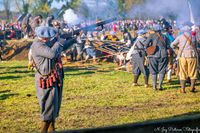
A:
192	20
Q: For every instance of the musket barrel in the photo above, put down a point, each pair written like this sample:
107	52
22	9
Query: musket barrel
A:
101	23
87	28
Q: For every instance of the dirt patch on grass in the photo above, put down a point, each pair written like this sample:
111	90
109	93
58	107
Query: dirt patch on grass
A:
16	49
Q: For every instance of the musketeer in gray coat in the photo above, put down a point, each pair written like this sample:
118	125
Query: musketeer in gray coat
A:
158	61
137	52
49	74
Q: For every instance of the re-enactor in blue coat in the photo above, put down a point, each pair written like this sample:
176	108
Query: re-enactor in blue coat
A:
49	74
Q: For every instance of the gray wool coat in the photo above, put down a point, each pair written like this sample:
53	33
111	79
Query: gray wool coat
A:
44	58
162	45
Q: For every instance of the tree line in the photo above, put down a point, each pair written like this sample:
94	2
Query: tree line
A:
43	7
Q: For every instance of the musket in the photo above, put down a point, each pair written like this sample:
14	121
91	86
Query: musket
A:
87	28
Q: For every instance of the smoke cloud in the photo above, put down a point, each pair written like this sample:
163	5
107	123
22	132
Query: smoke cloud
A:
177	9
97	9
104	9
70	17
91	10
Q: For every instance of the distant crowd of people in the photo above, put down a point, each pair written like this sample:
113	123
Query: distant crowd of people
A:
24	28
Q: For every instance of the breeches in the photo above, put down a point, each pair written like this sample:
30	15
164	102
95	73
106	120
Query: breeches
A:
187	68
138	65
158	65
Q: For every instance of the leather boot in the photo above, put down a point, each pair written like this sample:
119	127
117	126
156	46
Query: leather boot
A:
161	78
182	82
44	126
192	87
135	80
51	128
146	81
154	81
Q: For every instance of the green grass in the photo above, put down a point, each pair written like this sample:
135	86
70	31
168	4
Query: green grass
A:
93	96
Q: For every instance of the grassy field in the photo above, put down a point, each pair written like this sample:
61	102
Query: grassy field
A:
94	96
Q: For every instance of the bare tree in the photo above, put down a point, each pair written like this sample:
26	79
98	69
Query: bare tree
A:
23	6
6	5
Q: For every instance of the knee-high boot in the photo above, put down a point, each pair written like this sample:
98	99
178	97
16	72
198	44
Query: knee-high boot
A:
44	126
192	86
146	81
51	128
182	82
154	81
161	78
135	80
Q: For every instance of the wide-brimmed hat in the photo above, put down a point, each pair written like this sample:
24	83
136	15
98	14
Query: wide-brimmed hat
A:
45	32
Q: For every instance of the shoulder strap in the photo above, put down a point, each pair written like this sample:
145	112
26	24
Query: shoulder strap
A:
135	44
38	69
183	46
194	48
161	38
140	43
190	41
192	45
156	40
